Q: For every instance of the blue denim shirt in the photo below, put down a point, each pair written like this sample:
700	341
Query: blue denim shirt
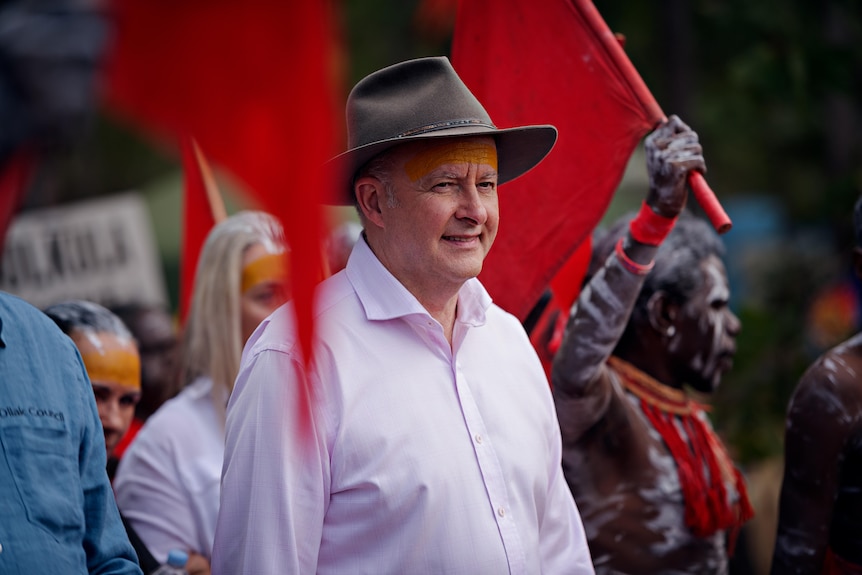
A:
57	510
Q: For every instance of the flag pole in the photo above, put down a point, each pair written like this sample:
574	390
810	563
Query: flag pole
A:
214	198
699	188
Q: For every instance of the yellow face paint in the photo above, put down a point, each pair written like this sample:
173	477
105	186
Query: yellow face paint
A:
114	366
271	267
451	152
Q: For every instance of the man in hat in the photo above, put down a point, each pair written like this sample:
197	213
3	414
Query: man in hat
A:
820	513
656	488
423	438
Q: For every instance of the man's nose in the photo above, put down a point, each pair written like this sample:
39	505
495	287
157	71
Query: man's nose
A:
472	205
734	325
110	414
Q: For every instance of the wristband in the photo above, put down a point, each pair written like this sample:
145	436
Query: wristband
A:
629	264
649	228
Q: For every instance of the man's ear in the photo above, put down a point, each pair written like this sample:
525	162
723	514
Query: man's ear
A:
369	197
662	313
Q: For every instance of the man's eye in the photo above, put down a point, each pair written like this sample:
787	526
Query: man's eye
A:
130	400
265	297
101	394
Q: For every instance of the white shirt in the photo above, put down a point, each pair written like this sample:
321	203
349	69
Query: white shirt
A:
167	483
411	457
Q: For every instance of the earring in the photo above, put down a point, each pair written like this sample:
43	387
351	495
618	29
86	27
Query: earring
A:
671	331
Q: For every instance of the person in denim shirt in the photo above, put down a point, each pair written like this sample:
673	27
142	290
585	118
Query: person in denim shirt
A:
57	508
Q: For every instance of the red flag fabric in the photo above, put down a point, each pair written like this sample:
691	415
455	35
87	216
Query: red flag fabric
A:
547	333
250	81
551	62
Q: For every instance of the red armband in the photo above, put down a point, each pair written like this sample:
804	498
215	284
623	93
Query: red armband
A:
631	265
649	228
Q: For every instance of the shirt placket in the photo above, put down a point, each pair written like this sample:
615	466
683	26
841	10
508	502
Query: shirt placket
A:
492	475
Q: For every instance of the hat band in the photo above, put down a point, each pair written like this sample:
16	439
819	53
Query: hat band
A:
446	125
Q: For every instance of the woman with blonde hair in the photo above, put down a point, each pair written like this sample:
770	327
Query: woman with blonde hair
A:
168	482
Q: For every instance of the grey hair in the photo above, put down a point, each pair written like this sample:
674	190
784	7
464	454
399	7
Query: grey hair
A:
677	263
212	338
379	167
87	316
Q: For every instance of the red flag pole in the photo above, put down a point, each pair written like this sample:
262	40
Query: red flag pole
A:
700	189
214	199
709	202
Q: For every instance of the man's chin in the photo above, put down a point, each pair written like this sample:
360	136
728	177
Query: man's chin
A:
110	446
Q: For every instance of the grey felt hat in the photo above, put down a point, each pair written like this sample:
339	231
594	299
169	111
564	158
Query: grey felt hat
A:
423	99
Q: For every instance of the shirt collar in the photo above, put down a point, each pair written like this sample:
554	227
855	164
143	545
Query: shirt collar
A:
384	297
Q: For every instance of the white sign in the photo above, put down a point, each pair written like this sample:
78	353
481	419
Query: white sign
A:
99	250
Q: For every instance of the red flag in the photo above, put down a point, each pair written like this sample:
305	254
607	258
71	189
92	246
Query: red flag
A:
203	208
250	81
550	62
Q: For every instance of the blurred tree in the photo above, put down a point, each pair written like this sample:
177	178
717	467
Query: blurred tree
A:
773	89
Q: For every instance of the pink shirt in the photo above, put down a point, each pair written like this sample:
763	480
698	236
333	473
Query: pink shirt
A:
416	457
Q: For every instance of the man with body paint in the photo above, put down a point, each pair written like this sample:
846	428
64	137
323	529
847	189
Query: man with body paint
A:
655	486
820	510
113	364
422	438
112	361
156	337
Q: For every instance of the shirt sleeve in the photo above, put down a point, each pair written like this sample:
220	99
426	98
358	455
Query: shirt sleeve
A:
105	542
275	479
154	499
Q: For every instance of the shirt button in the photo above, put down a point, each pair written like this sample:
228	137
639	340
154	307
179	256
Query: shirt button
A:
1	548
501	512
478	438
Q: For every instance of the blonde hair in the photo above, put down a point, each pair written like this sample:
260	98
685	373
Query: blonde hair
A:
212	338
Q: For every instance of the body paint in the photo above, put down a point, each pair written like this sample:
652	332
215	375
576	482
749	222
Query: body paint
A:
450	152
270	267
114	366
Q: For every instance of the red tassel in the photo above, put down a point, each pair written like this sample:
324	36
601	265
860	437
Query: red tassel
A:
707	508
702	463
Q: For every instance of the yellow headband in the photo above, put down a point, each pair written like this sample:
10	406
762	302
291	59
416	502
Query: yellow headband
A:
271	267
456	152
114	366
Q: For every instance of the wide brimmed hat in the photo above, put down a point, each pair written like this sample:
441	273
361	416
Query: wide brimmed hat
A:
424	99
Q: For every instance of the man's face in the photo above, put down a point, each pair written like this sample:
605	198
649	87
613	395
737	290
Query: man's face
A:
443	217
705	341
114	367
